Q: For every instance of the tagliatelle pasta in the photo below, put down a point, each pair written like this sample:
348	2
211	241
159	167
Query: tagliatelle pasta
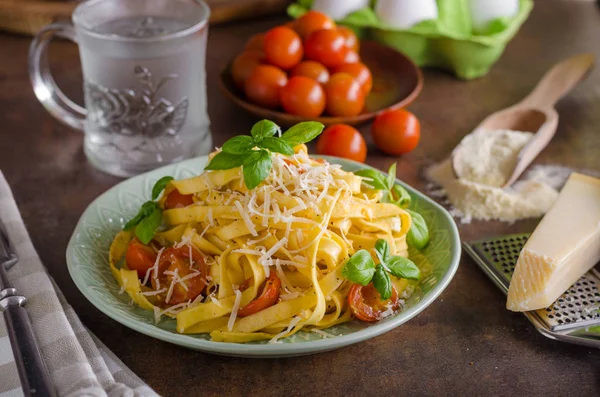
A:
290	237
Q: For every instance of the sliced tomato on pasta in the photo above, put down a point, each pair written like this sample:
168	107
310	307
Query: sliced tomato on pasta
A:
268	297
366	303
182	271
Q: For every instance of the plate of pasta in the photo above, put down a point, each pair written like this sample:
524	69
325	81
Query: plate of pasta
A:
262	250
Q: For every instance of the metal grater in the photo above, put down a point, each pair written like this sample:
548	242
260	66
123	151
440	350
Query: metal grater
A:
574	317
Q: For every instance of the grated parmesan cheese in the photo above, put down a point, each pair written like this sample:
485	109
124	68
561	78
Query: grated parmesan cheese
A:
246	217
292	324
234	310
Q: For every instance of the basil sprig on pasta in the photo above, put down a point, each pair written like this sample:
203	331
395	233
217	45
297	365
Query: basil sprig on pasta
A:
418	235
361	268
253	152
149	217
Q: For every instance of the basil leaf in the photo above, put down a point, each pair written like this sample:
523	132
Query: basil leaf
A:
382	249
359	268
382	283
277	145
241	144
401	196
418	235
252	157
145	210
160	185
376	180
225	161
403	268
303	132
256	171
391	177
146	228
264	129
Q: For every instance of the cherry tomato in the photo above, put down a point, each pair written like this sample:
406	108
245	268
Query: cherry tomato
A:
263	85
342	140
351	57
303	96
178	200
360	72
243	66
327	47
177	261
366	303
140	257
256	43
396	132
345	96
283	47
268	297
311	22
311	69
351	40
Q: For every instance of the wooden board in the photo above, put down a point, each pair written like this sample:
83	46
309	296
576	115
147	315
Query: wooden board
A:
29	16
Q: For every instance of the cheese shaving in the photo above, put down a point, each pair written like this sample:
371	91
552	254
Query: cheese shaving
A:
246	218
292	324
234	310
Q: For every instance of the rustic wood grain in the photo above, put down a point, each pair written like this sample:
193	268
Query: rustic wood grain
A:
466	343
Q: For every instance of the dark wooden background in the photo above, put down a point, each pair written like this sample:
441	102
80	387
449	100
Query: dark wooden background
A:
466	343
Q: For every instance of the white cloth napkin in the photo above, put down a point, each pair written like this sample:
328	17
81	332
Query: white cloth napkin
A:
79	364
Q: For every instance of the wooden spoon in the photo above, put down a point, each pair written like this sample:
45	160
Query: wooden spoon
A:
536	113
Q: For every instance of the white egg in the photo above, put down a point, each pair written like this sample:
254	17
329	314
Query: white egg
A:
338	9
484	11
405	13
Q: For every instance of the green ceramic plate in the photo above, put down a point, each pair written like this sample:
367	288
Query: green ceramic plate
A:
87	261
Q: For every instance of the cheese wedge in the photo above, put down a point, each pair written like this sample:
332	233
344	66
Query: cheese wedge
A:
563	247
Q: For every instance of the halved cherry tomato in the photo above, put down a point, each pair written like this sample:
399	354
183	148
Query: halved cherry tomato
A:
360	72
351	57
243	66
263	85
312	69
345	96
327	47
303	96
178	200
342	140
396	132
268	297
283	47
177	261
366	303
256	42
140	257
351	40
311	22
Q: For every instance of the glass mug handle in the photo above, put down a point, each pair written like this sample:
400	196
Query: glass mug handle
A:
44	87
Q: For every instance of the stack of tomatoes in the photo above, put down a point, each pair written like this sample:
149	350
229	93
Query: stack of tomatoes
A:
306	67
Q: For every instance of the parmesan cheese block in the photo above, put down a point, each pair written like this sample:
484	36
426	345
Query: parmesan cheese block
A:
564	246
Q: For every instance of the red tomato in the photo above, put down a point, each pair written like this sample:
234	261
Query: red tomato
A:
303	96
360	72
327	47
396	132
256	43
366	303
243	66
311	69
268	297
342	140
311	22
263	85
351	57
177	261
139	257
283	47
178	200
351	40
345	96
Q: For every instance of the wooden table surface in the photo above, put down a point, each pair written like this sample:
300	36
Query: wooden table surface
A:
465	343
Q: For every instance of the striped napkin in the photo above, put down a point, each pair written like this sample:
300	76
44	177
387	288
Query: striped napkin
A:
79	364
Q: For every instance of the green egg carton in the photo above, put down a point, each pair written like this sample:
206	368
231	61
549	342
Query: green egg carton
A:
449	42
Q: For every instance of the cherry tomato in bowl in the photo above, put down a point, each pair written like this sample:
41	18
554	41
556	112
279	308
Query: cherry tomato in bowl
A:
312	69
256	43
366	303
243	65
360	72
263	85
139	257
283	47
396	132
302	96
350	38
311	22
326	46
345	95
342	140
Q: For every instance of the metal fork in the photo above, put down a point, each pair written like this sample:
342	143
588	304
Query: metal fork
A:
32	370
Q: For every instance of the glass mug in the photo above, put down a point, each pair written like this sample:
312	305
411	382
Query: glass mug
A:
143	65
